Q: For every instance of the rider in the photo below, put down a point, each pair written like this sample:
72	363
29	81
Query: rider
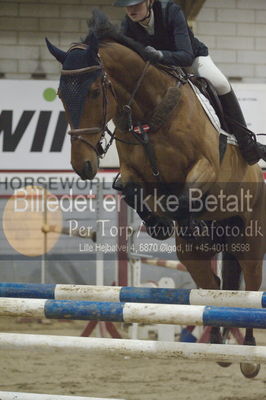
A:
161	27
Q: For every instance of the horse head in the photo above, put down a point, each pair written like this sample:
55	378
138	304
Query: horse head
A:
87	97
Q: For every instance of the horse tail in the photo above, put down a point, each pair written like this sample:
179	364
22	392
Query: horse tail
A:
231	272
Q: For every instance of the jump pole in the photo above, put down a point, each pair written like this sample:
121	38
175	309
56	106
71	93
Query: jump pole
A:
134	348
134	312
222	298
38	396
170	264
64	230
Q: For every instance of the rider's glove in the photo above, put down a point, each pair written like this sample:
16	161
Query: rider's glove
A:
153	55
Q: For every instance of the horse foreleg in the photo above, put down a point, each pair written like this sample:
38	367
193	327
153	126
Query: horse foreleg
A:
202	273
158	227
252	271
199	180
202	174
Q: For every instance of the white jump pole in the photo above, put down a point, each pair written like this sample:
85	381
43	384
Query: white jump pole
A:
170	264
46	228
38	396
134	348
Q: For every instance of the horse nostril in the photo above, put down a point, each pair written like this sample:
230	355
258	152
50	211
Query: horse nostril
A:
87	172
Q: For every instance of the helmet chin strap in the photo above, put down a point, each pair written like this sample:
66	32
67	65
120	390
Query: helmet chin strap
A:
149	12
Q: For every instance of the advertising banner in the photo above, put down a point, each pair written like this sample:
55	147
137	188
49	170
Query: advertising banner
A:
35	165
33	128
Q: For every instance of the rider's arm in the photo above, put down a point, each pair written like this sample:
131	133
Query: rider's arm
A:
178	31
178	28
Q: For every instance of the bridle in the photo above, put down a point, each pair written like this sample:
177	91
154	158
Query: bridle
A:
77	134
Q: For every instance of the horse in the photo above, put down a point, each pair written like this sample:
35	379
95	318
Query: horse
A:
167	147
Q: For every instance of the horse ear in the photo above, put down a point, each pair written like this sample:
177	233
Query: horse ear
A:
60	55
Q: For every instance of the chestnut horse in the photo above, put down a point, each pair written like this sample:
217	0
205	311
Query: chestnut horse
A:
168	147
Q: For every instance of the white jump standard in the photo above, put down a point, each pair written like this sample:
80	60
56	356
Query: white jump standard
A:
223	298
134	312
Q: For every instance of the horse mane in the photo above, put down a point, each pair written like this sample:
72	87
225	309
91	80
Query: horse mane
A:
105	32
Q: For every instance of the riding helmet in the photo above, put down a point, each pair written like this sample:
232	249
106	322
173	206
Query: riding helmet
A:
127	3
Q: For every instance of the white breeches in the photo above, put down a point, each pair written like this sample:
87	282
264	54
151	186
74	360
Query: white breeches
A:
205	67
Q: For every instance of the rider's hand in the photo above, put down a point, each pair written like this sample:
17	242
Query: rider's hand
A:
153	55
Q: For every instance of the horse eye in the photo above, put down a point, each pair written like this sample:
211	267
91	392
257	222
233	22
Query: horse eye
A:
95	93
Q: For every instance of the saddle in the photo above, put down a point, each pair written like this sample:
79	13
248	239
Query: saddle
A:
208	90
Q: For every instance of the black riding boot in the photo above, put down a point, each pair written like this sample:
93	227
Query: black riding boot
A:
251	151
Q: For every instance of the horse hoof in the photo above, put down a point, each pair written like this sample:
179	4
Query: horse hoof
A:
250	370
163	229
224	364
218	338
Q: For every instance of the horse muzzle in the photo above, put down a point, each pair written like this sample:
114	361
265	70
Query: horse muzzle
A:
88	171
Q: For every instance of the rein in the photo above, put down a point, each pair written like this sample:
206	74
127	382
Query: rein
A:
127	107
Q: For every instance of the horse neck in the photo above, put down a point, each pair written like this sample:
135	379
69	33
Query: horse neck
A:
124	68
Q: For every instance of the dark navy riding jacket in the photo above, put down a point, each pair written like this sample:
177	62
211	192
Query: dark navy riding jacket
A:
171	35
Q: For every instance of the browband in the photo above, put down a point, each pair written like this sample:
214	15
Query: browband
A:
80	70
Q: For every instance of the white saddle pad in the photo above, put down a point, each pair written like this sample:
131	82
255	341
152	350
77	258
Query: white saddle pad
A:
211	114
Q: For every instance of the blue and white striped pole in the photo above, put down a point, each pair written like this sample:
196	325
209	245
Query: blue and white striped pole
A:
134	312
218	298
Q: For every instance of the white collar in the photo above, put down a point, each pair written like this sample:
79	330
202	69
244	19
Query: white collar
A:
150	26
